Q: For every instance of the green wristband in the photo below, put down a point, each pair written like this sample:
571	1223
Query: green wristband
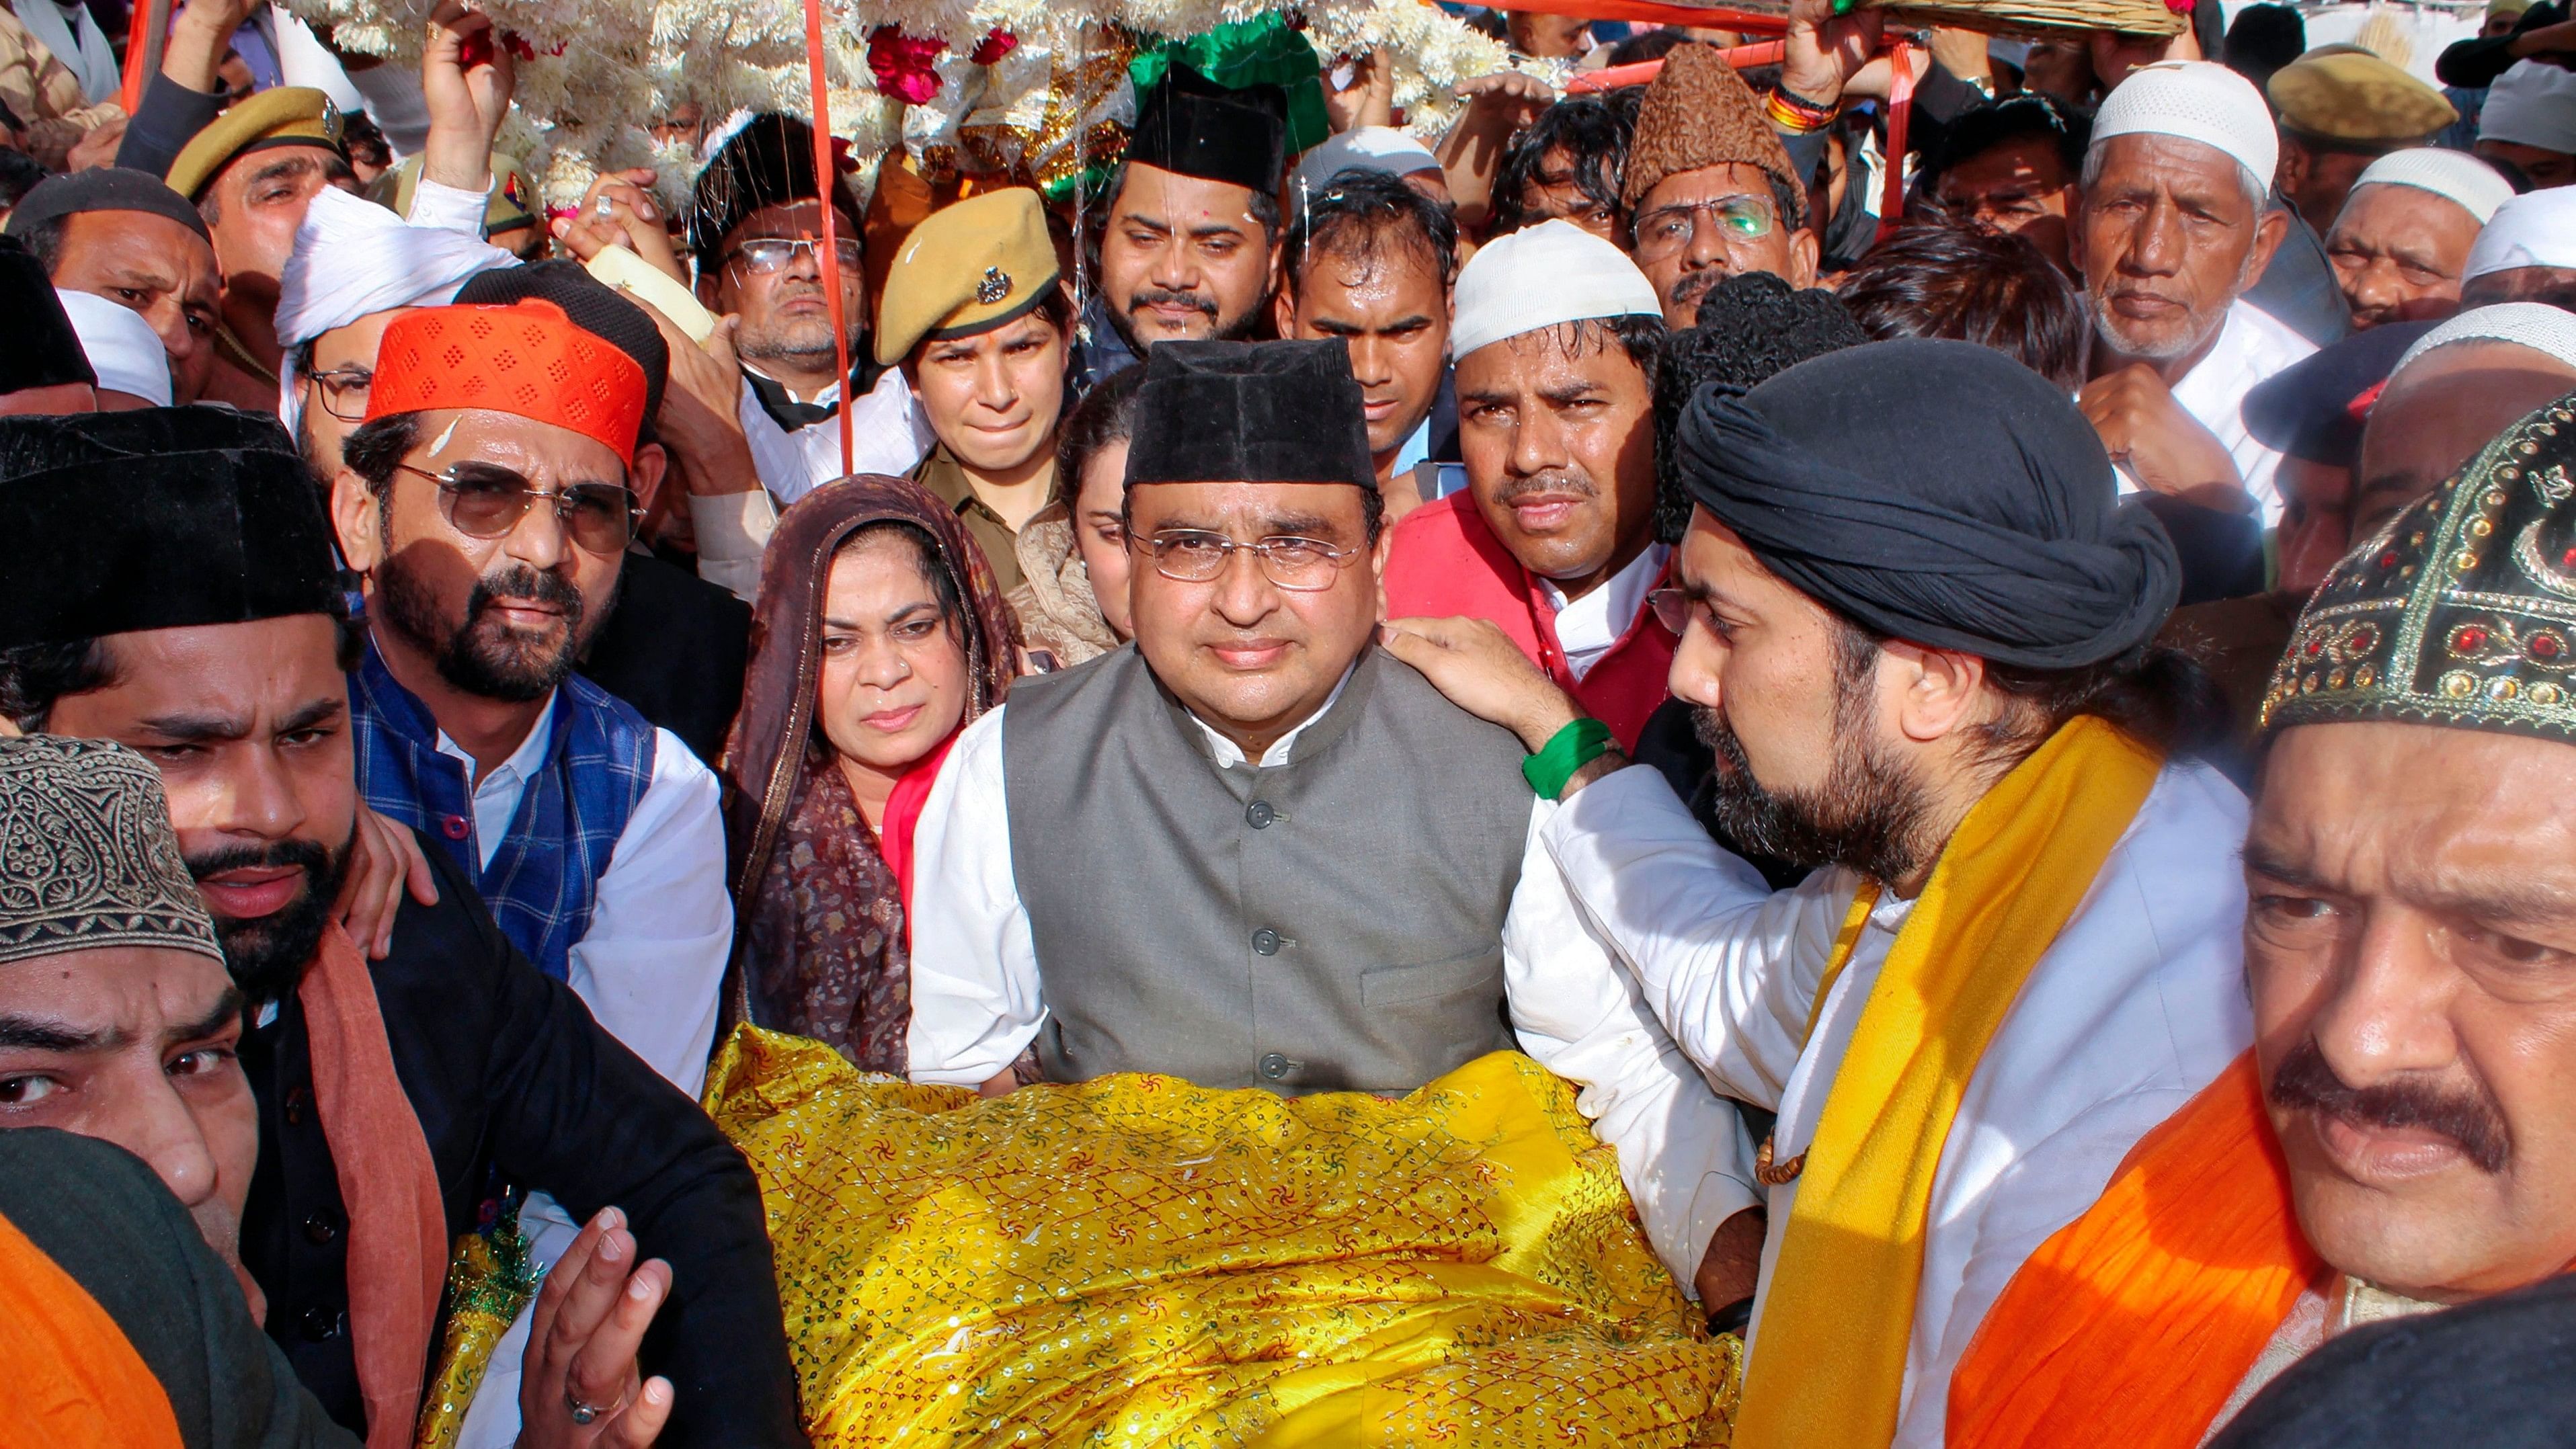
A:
1566	751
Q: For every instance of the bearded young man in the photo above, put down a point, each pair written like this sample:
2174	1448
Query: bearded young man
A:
2174	229
1921	656
1170	859
1189	241
385	1113
2396	1140
120	1024
1553	538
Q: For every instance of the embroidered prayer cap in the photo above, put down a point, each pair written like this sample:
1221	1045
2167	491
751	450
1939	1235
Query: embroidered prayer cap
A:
2462	610
279	116
2354	98
1699	113
87	856
528	360
2531	104
123	350
1935	491
102	188
45	350
1544	276
970	267
2535	229
2544	329
1250	412
1192	126
2314	408
2194	100
768	160
2455	176
1362	148
158	518
594	306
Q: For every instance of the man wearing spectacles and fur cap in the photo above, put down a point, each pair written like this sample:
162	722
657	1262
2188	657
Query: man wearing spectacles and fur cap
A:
1178	857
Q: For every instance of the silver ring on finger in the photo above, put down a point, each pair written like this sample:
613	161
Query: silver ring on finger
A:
582	1413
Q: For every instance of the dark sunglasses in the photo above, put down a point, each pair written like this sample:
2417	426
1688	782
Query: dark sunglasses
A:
486	500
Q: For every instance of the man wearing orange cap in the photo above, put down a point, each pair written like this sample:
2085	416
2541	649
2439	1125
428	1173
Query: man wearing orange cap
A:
488	499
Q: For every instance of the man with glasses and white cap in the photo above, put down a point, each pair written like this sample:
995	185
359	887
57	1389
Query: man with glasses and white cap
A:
1176	857
2526	254
2173	231
488	506
2401	243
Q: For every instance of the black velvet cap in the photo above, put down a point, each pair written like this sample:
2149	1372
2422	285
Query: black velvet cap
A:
44	351
1195	127
769	162
1250	412
2305	409
593	306
103	188
161	518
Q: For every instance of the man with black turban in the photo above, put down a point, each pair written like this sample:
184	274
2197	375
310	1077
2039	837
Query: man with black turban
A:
1914	624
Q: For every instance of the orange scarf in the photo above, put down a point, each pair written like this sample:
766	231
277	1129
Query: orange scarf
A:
2136	1322
74	1377
397	1225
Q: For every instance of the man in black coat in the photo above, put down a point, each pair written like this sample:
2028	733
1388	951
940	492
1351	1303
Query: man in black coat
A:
226	672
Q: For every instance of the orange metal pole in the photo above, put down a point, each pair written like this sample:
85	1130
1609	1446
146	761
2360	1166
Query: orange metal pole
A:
827	176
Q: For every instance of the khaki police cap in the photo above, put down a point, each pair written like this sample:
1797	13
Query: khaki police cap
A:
967	268
2355	96
283	116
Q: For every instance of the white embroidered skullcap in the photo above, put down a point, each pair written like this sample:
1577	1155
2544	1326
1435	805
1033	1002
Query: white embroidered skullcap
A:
2452	175
1544	276
2547	330
352	258
2531	104
123	350
2194	100
2535	229
1367	148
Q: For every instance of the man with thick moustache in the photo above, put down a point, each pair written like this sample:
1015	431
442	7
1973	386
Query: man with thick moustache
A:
383	1115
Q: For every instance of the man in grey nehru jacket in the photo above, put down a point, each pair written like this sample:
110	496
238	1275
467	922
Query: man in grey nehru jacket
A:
1253	849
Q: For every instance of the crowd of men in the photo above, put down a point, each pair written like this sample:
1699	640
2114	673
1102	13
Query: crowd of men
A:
2009	748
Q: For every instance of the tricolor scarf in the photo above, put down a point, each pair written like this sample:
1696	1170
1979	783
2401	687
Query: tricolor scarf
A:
2137	1321
544	877
1828	1366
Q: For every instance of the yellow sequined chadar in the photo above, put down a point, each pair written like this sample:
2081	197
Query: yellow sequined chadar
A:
1138	1261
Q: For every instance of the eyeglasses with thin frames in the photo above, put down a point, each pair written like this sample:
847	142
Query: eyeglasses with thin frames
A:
487	500
765	255
1196	556
1667	229
343	391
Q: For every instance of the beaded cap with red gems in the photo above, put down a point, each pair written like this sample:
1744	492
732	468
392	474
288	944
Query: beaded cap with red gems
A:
2462	610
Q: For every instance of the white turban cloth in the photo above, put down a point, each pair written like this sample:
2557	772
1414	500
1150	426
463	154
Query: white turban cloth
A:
122	348
2194	100
2536	229
2544	329
2532	104
353	258
1545	276
1364	148
2452	175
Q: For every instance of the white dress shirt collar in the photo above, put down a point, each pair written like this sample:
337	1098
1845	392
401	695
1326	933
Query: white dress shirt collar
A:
1229	754
1588	626
496	795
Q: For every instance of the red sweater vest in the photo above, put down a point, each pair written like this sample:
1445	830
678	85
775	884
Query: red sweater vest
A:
1447	562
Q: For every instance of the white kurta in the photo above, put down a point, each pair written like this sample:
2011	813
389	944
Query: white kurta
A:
888	434
978	998
2137	1006
2251	347
649	968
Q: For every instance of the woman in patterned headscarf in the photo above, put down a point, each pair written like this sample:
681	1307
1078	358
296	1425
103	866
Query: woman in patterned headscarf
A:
880	635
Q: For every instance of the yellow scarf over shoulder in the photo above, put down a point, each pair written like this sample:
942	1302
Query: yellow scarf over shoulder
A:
1829	1363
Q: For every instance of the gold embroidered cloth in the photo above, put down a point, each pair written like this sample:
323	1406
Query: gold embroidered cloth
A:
1138	1261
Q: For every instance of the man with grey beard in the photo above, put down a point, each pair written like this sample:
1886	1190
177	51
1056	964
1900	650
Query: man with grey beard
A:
1921	654
2174	229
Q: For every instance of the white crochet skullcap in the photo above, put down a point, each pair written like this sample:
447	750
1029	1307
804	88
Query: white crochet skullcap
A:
1545	276
2544	329
2194	100
2531	104
123	350
2452	175
2536	229
1365	148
